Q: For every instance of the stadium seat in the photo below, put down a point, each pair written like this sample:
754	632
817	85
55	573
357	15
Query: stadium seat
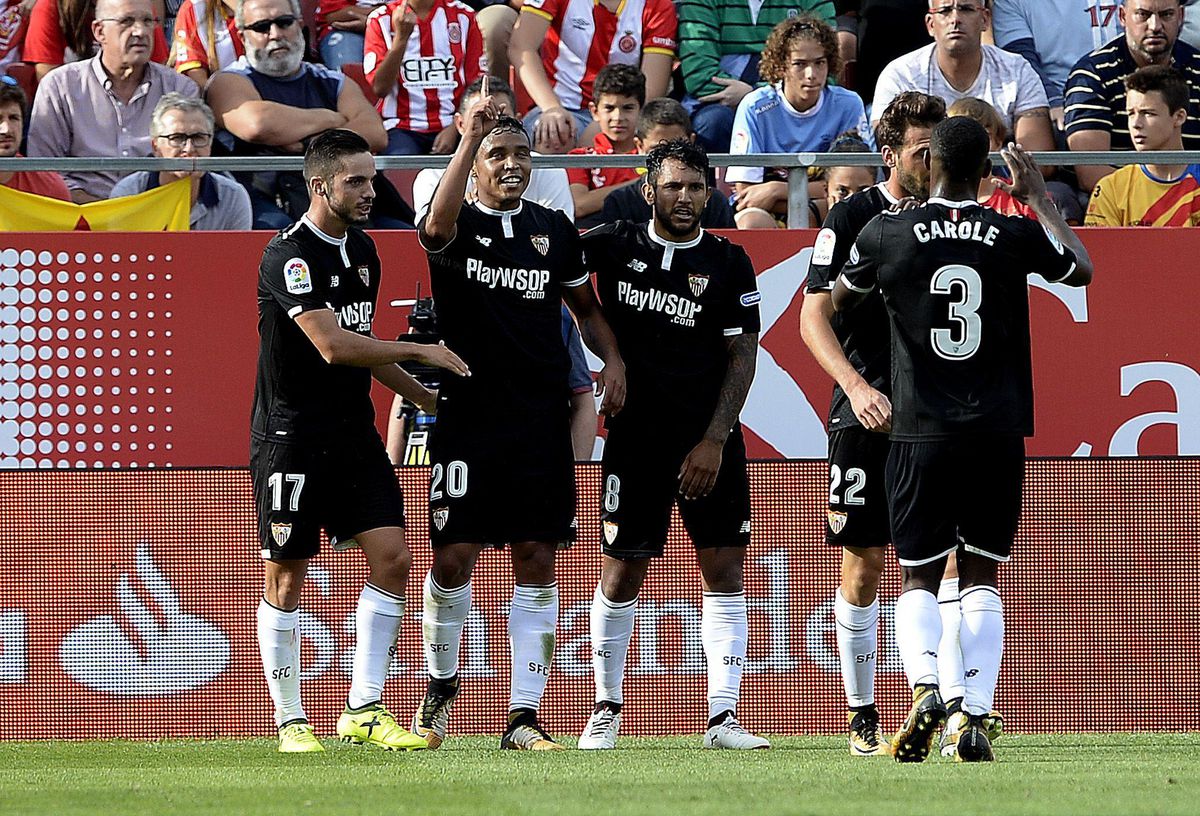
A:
26	77
354	70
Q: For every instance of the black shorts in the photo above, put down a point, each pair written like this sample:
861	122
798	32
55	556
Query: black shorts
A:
641	483
858	510
346	487
955	493
499	482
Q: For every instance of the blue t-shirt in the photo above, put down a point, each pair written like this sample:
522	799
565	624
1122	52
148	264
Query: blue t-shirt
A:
313	86
766	123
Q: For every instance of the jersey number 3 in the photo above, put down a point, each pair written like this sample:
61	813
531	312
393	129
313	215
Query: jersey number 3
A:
962	340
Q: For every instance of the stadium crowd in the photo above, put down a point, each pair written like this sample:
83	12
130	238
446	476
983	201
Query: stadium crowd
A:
105	78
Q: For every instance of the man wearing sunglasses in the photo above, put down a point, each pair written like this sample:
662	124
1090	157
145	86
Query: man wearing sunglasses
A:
182	128
271	102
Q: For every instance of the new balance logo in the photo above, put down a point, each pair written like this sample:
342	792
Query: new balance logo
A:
970	672
487	242
637	266
930	653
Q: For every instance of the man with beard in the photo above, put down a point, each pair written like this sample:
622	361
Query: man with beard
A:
503	470
316	459
683	304
272	102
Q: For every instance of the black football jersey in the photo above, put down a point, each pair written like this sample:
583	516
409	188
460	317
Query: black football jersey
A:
498	289
863	331
953	279
298	396
672	307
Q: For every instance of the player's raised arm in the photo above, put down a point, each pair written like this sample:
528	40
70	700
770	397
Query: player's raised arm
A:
1029	187
437	229
600	339
338	346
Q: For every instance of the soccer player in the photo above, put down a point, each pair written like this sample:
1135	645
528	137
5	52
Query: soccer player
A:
316	459
953	279
854	350
683	304
503	470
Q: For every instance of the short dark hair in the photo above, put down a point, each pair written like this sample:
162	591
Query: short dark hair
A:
777	50
507	124
617	79
14	94
961	145
663	112
908	110
684	151
496	87
327	149
1162	78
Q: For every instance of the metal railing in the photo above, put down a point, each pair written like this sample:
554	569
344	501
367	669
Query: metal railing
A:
796	164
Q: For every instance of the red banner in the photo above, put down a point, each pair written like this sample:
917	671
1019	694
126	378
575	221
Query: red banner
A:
128	598
139	349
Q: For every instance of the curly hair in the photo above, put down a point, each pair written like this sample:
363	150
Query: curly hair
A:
777	52
686	152
908	110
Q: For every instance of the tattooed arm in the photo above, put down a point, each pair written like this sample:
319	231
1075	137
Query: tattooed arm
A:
698	475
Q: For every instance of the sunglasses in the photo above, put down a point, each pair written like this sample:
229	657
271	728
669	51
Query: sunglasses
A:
282	22
7	80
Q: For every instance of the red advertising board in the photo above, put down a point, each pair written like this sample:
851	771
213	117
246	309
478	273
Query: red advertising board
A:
127	598
139	349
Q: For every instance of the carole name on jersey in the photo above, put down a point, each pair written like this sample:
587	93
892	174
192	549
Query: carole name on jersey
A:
531	282
356	317
963	230
681	310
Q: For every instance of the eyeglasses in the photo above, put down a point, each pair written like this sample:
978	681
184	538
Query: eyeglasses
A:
283	22
178	140
126	23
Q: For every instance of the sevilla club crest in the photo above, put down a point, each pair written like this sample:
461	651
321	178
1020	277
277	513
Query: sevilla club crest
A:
697	283
541	243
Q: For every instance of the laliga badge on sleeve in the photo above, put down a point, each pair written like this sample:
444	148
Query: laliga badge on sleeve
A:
296	277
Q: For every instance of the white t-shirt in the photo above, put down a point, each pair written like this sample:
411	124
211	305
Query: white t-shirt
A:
547	186
1005	80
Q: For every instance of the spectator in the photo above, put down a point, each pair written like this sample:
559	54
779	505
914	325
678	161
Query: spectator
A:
1052	37
547	185
102	106
720	42
1151	195
420	56
341	30
1095	113
270	102
63	31
844	181
619	96
990	194
13	106
957	64
496	19
182	127
14	19
1191	24
599	32
884	30
206	38
663	120
799	111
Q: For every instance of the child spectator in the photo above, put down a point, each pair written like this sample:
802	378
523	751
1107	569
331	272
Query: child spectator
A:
990	195
843	182
420	57
798	112
206	38
620	94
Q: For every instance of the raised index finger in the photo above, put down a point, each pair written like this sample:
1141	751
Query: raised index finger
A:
483	89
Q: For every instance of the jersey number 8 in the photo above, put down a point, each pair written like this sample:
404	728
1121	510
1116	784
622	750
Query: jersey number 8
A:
964	312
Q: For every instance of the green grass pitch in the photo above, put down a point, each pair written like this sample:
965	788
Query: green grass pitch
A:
1085	774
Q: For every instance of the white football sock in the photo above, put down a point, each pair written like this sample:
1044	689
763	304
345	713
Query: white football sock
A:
723	633
279	645
982	646
612	629
445	612
531	625
376	626
918	630
950	663
858	644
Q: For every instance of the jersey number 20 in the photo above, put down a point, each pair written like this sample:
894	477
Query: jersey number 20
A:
962	341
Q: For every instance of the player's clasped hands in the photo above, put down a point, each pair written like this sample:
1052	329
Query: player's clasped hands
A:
698	476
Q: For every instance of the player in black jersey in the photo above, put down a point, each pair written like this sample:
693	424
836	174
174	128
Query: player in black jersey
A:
316	459
953	279
683	304
503	467
853	348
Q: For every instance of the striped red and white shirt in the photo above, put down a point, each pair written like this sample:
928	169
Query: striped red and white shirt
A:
585	36
198	43
444	55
